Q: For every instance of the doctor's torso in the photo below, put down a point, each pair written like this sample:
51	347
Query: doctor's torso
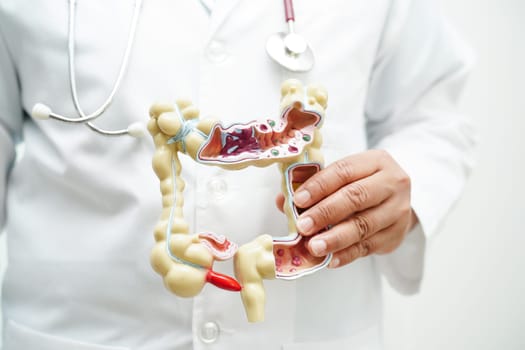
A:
82	207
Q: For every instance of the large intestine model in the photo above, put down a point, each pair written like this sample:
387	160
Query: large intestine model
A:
184	260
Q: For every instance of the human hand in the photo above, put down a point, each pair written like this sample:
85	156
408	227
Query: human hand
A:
364	199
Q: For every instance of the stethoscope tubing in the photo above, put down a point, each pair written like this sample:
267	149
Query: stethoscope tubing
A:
41	111
289	14
123	67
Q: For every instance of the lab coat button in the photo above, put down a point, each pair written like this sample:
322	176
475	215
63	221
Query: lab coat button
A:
209	332
218	188
216	52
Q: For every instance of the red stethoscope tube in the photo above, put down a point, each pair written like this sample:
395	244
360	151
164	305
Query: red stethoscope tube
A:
288	10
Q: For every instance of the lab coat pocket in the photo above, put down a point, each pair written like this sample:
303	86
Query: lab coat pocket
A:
368	339
18	337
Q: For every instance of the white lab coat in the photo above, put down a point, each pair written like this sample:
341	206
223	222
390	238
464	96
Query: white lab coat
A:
80	207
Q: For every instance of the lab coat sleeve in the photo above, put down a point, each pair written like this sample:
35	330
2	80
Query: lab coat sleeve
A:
412	113
10	119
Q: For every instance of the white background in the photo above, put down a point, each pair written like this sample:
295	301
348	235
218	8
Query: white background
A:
473	295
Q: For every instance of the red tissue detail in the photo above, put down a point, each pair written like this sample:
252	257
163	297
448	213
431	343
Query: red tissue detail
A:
223	281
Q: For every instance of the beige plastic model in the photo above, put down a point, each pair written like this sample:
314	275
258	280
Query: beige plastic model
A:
186	260
253	262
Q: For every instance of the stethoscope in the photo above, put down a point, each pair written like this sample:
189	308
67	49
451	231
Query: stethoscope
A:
290	50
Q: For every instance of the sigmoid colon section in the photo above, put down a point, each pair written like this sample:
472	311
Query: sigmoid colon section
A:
292	259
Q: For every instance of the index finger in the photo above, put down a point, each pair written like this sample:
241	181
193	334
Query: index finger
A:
337	175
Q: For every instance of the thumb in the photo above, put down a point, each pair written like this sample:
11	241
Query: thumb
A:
279	202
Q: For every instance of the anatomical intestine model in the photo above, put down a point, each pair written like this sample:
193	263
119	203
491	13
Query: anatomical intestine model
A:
184	260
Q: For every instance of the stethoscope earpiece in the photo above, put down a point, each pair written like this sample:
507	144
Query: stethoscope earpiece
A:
136	130
41	111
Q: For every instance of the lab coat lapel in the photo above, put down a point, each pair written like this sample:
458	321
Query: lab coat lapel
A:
221	10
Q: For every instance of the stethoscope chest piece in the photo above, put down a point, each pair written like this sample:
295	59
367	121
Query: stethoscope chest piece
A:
280	52
290	50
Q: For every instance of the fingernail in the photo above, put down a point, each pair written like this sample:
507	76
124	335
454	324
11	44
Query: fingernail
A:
334	263
318	246
301	197
304	225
